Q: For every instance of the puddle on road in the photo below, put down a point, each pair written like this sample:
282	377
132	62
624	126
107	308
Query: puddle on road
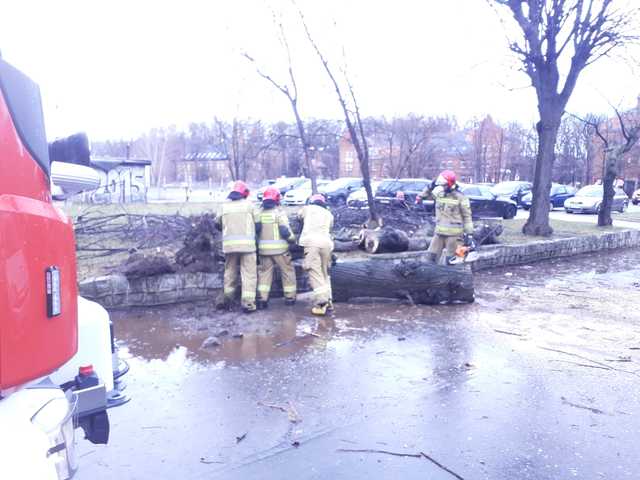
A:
164	333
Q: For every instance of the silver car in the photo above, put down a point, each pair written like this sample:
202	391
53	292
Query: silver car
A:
589	199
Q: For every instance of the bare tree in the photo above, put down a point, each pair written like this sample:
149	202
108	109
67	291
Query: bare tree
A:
291	92
613	155
353	121
554	33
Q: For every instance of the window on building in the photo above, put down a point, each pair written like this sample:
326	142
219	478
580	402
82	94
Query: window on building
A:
348	164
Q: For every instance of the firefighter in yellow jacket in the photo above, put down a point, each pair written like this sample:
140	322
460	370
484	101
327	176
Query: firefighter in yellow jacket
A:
274	233
317	222
454	226
239	247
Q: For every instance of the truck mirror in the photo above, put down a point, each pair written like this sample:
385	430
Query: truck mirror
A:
73	149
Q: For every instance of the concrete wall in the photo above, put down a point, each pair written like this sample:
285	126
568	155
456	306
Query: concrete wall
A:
115	291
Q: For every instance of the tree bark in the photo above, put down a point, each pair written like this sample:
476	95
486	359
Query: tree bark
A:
538	222
419	282
604	213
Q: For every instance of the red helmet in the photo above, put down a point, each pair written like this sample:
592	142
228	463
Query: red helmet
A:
317	198
241	188
271	193
446	178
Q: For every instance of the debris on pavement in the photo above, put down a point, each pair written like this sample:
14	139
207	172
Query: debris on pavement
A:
241	437
210	342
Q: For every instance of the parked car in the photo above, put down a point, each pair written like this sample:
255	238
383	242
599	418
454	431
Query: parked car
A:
358	199
337	191
635	198
558	195
300	194
588	200
514	190
284	184
388	190
484	204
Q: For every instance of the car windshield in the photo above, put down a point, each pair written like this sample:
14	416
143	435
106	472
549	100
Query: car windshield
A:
590	191
285	182
339	183
387	185
505	188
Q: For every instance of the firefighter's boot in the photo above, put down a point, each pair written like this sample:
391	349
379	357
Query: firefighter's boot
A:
320	310
249	308
224	303
290	301
262	304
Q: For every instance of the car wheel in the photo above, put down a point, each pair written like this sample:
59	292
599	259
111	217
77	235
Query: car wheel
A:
510	212
567	210
339	201
551	207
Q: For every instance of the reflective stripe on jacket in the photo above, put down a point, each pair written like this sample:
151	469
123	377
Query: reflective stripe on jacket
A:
317	225
270	242
453	212
238	229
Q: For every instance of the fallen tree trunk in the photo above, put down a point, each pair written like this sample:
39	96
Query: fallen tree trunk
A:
419	282
384	240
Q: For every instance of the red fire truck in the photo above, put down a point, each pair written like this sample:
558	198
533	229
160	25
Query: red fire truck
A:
59	369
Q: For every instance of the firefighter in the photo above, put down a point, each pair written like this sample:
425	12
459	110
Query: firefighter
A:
239	247
454	226
274	233
317	222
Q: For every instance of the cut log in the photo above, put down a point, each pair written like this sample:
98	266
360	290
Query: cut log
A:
384	240
420	282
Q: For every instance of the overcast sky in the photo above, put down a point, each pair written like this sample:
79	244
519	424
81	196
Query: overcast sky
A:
116	69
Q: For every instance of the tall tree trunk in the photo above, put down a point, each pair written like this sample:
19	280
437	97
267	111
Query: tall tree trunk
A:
538	222
610	163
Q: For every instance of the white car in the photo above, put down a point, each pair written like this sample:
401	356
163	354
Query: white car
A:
300	194
358	199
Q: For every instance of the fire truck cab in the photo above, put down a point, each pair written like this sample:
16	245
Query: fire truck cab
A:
59	369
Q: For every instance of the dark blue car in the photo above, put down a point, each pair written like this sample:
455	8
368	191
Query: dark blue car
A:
559	193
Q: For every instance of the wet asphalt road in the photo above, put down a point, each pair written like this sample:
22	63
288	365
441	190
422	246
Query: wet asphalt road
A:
539	379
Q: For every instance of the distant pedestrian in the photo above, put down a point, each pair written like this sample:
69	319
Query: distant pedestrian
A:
317	222
274	235
454	226
239	247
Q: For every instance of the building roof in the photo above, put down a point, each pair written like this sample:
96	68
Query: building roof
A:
109	163
211	156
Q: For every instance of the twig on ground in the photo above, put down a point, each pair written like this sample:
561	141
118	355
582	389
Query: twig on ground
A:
583	407
398	454
386	452
435	462
507	332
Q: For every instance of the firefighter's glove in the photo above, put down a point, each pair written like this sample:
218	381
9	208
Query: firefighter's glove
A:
468	240
334	259
284	231
218	226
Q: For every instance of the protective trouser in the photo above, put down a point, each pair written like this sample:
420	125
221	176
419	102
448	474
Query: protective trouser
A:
448	243
248	275
265	275
316	263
